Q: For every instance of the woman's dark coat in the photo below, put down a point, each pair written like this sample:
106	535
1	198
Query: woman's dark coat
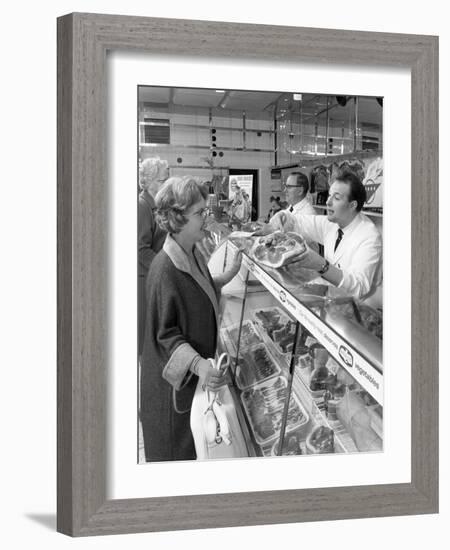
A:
181	325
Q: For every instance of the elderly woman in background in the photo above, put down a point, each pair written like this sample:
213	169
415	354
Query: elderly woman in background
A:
153	172
181	325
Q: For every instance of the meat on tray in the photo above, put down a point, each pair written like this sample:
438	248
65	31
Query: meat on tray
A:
280	329
284	337
270	319
320	440
265	405
291	445
321	379
255	365
278	248
249	335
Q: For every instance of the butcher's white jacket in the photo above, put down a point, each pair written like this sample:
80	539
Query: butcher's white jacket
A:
358	256
303	207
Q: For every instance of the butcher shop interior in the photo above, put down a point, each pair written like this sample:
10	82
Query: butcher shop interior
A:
293	187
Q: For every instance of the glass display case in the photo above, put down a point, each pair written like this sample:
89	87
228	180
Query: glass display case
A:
306	361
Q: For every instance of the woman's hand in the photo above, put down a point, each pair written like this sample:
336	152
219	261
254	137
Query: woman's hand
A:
236	263
281	221
210	378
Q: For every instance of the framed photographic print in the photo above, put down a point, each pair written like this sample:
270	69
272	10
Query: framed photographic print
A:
330	336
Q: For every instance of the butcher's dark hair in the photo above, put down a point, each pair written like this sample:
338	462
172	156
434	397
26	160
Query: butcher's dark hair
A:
357	190
301	180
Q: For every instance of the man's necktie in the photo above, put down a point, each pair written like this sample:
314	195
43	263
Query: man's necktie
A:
339	238
291	209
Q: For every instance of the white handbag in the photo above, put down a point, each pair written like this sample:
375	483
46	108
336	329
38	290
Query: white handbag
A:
214	423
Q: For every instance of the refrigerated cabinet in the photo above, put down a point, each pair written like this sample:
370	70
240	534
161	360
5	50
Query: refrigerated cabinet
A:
306	361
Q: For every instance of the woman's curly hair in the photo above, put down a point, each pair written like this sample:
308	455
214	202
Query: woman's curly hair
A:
174	198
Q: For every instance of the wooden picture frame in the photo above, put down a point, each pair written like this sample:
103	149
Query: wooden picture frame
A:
83	41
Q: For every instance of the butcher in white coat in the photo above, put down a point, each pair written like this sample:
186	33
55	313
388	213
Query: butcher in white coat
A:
352	244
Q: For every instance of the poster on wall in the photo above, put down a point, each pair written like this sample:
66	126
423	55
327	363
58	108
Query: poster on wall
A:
240	192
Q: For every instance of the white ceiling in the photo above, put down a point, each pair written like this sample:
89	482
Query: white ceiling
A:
313	105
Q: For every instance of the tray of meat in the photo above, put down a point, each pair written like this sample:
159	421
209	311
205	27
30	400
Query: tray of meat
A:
292	445
255	364
264	406
320	441
278	248
278	327
249	335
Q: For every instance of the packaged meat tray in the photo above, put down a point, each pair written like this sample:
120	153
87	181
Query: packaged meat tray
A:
293	444
249	335
318	378
320	441
255	364
278	248
264	406
278	327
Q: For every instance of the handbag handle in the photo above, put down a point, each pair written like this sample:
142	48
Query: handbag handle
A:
214	405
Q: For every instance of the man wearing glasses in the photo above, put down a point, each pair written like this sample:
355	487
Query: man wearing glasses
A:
296	191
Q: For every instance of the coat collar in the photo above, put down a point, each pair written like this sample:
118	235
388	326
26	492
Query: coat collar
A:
148	198
299	206
200	274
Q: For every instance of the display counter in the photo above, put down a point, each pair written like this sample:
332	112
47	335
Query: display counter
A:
306	361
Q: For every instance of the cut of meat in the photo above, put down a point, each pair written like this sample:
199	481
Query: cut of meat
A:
278	249
248	335
255	365
264	405
320	441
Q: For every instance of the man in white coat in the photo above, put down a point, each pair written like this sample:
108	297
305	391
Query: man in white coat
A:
296	191
352	244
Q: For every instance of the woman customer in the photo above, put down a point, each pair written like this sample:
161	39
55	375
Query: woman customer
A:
181	324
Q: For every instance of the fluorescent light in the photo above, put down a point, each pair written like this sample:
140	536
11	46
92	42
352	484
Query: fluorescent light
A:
220	91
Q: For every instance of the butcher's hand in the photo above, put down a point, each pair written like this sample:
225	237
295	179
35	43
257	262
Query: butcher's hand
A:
266	229
278	222
210	378
309	259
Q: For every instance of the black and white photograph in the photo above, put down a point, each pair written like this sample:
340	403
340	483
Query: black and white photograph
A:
223	257
260	273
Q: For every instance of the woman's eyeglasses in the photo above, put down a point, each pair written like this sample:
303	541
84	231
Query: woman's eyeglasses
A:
202	213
